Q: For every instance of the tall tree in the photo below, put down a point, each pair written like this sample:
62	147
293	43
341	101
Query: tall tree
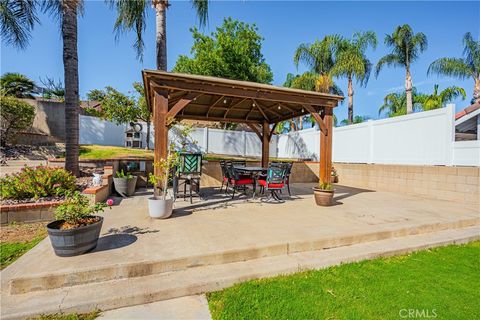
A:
406	47
351	62
17	85
17	20
121	108
395	104
233	51
438	99
462	68
66	11
132	15
318	57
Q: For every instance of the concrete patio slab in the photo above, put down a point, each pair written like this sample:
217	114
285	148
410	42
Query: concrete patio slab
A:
136	250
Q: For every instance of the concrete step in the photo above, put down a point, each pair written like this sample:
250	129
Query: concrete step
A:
168	285
54	280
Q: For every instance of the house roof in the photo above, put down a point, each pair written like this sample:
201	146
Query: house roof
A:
225	100
468	110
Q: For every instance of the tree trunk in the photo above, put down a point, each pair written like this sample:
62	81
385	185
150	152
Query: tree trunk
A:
350	100
70	65
161	34
148	135
476	90
408	90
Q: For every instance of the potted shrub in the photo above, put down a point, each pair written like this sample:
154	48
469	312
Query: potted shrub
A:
323	194
76	228
159	206
124	183
334	175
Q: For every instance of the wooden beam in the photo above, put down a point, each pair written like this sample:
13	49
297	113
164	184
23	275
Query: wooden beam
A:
217	119
160	110
272	131
233	106
240	92
316	116
258	106
182	103
256	130
265	144
214	104
325	173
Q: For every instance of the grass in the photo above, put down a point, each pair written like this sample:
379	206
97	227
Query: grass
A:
16	239
71	316
108	152
98	152
442	283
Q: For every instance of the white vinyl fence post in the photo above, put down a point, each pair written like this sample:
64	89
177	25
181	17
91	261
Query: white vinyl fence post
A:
371	148
450	134
205	139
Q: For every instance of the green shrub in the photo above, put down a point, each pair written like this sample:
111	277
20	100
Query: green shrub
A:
77	207
37	183
16	115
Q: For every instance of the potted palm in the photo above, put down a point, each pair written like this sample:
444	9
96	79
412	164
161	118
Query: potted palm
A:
76	228
124	183
323	194
159	206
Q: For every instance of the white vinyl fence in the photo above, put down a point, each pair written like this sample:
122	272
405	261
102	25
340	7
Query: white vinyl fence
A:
424	138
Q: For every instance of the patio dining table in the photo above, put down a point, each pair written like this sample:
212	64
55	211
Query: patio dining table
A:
254	171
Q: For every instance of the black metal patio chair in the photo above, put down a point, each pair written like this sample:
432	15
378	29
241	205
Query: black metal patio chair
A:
274	181
189	173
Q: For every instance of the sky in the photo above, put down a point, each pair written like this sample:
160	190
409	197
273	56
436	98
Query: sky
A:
105	60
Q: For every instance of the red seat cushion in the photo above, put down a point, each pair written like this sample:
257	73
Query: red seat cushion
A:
225	179
241	181
270	185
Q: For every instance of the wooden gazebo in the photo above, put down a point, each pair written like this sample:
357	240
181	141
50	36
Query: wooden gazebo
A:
260	106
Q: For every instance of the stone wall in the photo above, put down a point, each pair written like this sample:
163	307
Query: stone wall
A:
448	183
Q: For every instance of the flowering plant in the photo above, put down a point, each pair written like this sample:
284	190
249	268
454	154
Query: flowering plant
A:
37	183
76	208
166	168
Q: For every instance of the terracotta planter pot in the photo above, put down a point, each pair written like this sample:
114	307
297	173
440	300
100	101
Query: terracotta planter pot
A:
73	242
323	198
334	179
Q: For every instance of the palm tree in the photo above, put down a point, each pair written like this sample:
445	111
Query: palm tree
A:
66	11
17	85
318	58
132	15
462	68
438	100
395	104
351	62
406	47
17	19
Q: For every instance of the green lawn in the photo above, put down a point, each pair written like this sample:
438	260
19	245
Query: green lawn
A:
108	152
444	282
9	252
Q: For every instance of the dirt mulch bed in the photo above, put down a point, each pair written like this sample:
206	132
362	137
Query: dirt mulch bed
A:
22	232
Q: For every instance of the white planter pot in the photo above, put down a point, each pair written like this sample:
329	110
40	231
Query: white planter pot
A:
160	209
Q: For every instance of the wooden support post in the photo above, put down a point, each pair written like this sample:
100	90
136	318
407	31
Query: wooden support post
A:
326	147
160	110
265	144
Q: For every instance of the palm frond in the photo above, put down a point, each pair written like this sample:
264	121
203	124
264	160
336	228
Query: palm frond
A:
455	67
388	60
17	19
131	15
201	8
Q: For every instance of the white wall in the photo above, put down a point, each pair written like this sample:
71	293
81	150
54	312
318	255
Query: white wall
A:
96	131
424	138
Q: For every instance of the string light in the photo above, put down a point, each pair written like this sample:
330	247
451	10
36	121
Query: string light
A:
279	107
253	104
302	110
225	101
